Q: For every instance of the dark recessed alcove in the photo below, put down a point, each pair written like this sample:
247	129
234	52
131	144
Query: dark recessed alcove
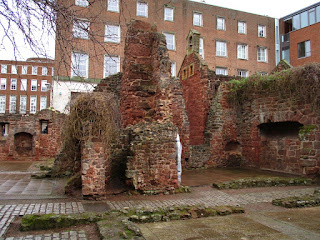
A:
280	129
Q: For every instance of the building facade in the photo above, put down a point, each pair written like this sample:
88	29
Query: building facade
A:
300	38
232	42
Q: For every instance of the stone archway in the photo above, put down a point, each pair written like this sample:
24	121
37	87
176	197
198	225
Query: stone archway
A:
23	144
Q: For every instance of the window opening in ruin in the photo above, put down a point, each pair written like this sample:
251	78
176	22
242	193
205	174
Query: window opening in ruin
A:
44	126
233	146
23	144
280	129
191	70
184	73
4	129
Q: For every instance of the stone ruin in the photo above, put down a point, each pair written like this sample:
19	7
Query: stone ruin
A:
264	132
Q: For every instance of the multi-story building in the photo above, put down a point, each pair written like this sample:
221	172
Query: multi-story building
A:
92	44
300	36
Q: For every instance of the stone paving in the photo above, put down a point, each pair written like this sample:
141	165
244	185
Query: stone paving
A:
73	235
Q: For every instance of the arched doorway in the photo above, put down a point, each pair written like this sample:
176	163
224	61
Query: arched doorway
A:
23	144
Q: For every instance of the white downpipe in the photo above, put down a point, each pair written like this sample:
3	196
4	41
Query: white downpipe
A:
178	154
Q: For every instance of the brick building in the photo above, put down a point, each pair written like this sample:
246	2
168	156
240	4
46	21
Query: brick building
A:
232	42
300	38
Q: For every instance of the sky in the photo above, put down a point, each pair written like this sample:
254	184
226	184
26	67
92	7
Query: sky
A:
271	8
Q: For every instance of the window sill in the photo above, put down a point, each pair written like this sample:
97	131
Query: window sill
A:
113	11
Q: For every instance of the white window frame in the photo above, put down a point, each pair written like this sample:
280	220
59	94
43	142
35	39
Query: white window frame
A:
13	104
262	53
171	44
3	84
240	71
197	19
168	14
221	49
142	9
2	103
113	6
34	70
23	85
221	71
82	3
13	84
44	71
111	65
80	65
33	104
173	69
24	70
262	31
23	104
4	68
242	27
201	47
221	23
307	49
81	28
34	85
43	102
112	33
242	51
44	87
14	69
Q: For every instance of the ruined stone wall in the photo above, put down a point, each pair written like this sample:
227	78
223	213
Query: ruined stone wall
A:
25	141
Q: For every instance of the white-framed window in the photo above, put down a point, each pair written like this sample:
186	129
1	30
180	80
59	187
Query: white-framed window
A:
221	71
262	31
13	85
14	69
242	51
243	73
142	9
3	84
242	27
44	71
43	102
221	49
24	70
197	19
4	68
113	6
111	65
262	54
221	23
173	69
23	85
304	49
201	47
52	71
33	104
112	33
171	41
82	3
81	29
23	104
80	62
2	103
13	104
168	14
34	83
34	70
44	87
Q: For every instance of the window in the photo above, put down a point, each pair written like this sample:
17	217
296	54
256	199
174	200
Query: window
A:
81	29
34	85
191	70
296	22
312	16
52	71
173	69
13	104
111	65
168	14
221	49
33	104
201	47
34	70
262	54
44	71
261	31
23	86
221	23
112	33
44	126
304	19
286	54
221	71
171	42
80	65
304	49
184	73
197	19
24	70
243	51
142	9
243	73
14	69
43	102
318	14
3	83
4	68
23	104
13	85
82	3
113	5
4	129
44	84
242	27
2	103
